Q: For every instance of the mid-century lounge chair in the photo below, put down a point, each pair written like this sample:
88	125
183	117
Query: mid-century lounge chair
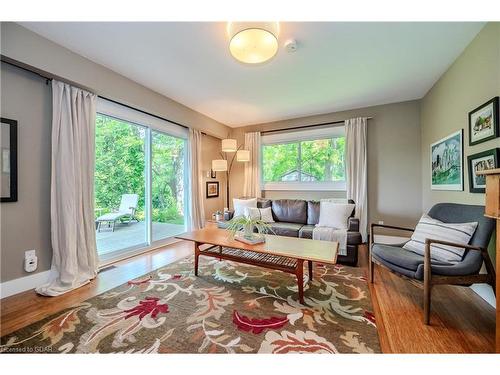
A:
125	213
423	272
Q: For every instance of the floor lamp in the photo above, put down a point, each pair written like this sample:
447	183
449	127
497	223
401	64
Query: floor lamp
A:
229	146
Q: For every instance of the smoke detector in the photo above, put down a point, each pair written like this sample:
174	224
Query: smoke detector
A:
291	45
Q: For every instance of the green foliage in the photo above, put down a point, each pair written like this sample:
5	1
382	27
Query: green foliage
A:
323	159
120	169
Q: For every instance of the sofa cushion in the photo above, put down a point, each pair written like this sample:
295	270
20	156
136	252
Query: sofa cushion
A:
285	229
353	238
290	211
312	212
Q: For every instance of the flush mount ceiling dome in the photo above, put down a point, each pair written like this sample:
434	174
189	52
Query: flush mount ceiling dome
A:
253	42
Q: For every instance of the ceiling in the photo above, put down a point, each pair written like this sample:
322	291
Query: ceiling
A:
337	66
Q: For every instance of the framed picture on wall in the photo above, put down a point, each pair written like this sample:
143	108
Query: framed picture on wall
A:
447	163
8	161
212	189
479	162
483	122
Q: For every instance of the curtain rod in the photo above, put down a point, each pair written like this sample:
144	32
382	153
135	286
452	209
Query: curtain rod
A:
307	126
24	67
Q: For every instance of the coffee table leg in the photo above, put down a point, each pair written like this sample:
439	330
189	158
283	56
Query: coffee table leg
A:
299	272
310	266
196	256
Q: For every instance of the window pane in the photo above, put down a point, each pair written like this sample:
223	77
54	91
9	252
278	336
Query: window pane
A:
167	185
119	184
323	159
280	162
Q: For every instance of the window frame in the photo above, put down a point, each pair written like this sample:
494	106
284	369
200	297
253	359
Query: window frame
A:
298	137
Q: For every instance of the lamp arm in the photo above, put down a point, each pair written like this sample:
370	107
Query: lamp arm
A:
232	160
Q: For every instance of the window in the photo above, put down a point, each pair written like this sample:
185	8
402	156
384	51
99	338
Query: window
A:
140	180
305	160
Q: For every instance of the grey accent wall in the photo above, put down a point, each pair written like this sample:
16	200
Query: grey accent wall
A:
25	224
394	173
471	80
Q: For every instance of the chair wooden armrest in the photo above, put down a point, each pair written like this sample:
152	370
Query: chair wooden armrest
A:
374	225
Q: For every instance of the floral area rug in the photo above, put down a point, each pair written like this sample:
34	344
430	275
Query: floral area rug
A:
228	308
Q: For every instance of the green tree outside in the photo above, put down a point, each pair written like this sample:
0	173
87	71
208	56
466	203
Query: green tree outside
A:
120	169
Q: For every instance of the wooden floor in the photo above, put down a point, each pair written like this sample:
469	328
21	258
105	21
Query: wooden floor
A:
461	322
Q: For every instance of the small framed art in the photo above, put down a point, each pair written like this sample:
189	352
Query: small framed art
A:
212	189
483	122
481	161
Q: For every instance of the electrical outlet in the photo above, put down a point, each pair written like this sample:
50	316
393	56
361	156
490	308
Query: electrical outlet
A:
29	254
381	222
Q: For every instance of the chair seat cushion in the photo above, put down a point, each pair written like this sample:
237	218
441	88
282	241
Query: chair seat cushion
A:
400	257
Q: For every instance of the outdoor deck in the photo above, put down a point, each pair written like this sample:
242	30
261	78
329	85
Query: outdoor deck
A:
133	234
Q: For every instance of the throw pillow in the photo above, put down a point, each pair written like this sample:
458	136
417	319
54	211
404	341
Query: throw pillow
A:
240	204
264	214
334	215
428	227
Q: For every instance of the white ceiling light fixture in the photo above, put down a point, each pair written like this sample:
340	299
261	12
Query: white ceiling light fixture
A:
253	42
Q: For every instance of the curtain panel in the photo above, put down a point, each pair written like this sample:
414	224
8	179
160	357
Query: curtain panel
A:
356	169
74	252
251	187
196	207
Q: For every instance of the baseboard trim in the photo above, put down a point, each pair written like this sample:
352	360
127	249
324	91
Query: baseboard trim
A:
22	284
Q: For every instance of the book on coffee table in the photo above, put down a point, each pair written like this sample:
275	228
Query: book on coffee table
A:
251	241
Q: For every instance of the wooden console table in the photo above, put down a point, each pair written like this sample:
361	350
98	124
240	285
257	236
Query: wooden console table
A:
492	209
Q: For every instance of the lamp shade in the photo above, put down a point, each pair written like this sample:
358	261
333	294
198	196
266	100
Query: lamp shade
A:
229	145
219	165
243	155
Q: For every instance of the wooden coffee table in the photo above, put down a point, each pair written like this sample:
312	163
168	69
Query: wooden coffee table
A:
286	254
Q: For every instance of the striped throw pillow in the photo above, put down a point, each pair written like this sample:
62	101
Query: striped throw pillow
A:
428	227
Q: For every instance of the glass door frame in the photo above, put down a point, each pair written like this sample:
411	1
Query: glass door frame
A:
150	124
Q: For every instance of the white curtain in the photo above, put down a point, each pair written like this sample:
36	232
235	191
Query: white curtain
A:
74	253
356	169
252	168
196	208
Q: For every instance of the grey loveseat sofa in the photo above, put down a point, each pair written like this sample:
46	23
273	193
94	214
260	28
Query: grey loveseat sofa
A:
297	218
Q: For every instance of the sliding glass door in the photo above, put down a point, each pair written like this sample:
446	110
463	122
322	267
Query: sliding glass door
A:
120	185
167	185
140	182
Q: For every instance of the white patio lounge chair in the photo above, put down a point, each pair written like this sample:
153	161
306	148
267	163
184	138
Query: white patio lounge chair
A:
125	213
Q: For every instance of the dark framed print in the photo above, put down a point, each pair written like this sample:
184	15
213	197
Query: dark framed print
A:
213	174
212	189
479	162
447	163
8	138
483	122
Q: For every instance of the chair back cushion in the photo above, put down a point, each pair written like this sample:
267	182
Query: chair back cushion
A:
428	227
290	210
128	203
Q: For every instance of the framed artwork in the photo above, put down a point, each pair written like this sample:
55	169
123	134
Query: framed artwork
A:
480	162
483	122
447	163
212	189
9	160
213	174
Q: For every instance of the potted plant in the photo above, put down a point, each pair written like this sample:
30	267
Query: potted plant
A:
246	225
